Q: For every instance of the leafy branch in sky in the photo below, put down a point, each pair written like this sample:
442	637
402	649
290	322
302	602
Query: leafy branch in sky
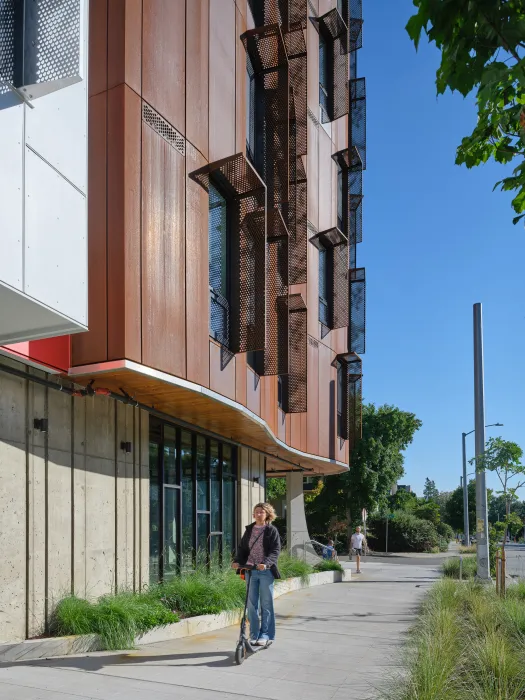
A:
482	44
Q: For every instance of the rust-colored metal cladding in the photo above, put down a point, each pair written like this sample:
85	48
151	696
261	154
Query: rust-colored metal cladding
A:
238	182
197	73
334	30
357	321
295	383
164	59
163	246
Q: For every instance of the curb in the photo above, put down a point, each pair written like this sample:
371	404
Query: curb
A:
34	649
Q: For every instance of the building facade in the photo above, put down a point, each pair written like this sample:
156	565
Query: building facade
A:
226	145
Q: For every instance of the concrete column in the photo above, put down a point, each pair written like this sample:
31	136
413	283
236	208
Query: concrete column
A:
296	528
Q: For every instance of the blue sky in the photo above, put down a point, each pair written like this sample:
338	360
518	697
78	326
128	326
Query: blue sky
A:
436	240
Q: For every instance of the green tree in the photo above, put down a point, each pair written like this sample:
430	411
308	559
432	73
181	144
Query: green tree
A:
430	491
503	458
428	510
514	524
275	489
482	45
402	500
454	508
376	464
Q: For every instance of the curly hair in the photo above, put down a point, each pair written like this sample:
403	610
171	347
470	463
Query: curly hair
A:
268	509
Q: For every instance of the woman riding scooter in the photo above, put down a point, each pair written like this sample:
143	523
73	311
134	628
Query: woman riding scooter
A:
260	547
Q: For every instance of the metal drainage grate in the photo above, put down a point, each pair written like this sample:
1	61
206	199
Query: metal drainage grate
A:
163	128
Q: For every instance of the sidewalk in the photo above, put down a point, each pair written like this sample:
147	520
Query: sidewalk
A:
336	642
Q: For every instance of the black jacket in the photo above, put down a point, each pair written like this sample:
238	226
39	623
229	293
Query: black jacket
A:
271	547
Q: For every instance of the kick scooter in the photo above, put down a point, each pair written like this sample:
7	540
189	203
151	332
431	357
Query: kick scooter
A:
244	648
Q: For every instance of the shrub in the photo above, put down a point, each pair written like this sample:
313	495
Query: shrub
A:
291	567
202	592
445	531
451	567
405	533
328	565
116	619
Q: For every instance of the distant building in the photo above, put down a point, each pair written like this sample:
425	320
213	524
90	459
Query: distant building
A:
404	487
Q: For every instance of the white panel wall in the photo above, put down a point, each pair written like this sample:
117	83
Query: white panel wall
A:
43	207
11	149
55	240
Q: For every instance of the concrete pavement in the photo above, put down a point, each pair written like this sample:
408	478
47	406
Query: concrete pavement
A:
337	642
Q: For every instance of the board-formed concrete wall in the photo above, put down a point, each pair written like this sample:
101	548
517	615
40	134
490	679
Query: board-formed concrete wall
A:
252	485
74	506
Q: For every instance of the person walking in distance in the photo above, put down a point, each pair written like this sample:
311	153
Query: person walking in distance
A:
357	545
260	547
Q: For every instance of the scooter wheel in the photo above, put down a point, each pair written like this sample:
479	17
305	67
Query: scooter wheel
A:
239	654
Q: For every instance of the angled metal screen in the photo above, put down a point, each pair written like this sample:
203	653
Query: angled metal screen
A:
349	400
245	194
355	24
355	202
357	120
334	242
333	29
295	383
266	52
297	58
356	330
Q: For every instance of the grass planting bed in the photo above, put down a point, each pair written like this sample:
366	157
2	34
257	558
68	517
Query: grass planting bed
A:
119	619
468	644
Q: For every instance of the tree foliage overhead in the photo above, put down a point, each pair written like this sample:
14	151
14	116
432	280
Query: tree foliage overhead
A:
430	491
482	44
376	465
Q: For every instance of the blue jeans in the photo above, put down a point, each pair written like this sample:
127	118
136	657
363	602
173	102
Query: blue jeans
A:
261	590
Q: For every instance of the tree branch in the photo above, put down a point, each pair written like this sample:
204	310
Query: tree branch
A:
504	42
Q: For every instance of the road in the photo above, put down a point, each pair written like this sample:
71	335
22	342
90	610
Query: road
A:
334	642
515	560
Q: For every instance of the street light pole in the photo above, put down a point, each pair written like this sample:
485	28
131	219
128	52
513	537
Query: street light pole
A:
482	538
465	492
464	483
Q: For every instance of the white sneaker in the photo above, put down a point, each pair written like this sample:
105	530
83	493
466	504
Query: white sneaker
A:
253	642
262	642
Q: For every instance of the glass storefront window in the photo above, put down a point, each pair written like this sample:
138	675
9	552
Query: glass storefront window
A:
215	476
154	507
188	506
170	455
193	496
203	475
203	529
171	520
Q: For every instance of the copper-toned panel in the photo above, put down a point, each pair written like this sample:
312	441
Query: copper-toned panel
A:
325	181
281	425
253	391
242	6
313	291
92	346
98	47
312	164
240	378
295	436
312	417
325	358
312	43
269	401
197	68
124	196
163	255
125	43
240	83
222	78
164	58
198	300
222	375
